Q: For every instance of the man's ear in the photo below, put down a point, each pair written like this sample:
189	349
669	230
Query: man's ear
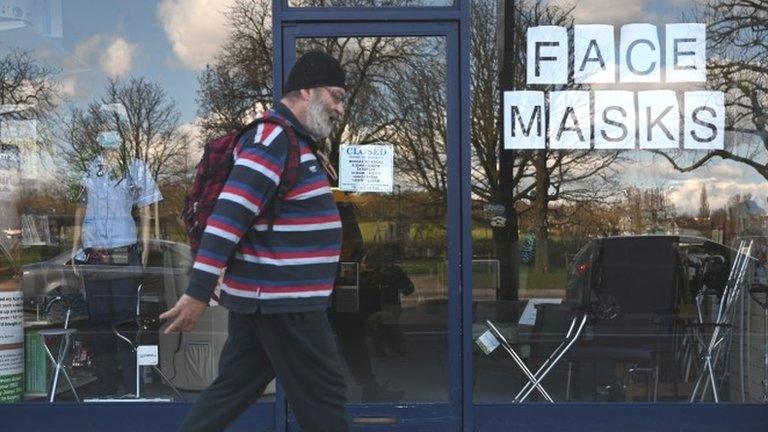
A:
306	94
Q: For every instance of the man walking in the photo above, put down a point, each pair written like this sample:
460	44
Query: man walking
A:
279	271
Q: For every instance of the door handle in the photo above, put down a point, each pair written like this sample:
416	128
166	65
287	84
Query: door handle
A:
374	420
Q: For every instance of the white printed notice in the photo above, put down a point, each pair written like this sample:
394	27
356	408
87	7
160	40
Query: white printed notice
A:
615	119
659	119
524	120
11	346
569	120
366	168
704	120
595	59
686	54
548	48
640	54
11	318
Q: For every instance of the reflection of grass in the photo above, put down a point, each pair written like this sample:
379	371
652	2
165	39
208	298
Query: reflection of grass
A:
418	267
555	279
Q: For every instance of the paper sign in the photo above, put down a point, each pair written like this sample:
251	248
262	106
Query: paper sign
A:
615	119
11	374
686	53
524	120
640	54
366	168
488	342
595	58
704	120
547	51
146	355
528	317
569	120
11	318
659	119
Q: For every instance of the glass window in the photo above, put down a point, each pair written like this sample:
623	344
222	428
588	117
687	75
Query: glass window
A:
661	249
104	107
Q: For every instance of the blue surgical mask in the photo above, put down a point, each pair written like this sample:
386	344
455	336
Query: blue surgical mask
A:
109	140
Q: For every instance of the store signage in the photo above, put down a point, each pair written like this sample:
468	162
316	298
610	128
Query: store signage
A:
11	346
572	114
366	168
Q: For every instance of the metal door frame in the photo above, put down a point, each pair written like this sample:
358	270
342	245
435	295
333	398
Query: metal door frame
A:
452	24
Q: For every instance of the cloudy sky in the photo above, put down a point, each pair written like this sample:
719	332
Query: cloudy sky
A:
171	41
168	41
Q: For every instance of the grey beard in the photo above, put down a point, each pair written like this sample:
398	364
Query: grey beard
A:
318	120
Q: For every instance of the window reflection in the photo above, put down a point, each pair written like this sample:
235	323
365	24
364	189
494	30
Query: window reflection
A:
649	244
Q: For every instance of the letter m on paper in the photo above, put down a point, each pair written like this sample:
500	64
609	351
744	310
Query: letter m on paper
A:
524	120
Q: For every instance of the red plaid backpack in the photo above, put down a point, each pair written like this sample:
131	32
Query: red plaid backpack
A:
213	170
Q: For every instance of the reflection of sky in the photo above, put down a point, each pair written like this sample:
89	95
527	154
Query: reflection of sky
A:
722	178
170	41
100	37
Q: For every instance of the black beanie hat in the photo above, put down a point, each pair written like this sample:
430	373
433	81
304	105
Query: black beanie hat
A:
315	69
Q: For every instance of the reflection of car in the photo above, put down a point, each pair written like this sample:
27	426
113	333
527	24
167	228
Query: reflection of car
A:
621	277
167	266
640	293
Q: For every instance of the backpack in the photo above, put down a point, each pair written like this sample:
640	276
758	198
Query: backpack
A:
213	171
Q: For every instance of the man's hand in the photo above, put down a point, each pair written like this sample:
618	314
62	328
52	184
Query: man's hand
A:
184	313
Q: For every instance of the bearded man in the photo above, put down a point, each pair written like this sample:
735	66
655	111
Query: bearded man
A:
278	274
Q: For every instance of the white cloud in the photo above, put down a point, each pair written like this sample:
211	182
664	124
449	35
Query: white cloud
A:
88	50
193	133
196	28
114	55
724	179
118	58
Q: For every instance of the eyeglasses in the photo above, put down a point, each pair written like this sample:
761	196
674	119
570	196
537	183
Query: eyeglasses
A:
338	96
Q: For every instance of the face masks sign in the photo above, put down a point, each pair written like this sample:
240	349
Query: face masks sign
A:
584	118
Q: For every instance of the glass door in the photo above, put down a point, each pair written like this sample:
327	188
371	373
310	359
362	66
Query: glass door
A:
394	306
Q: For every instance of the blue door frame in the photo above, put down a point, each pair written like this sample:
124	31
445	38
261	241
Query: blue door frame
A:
426	416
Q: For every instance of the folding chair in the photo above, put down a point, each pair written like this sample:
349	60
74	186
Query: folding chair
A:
492	338
716	348
135	325
65	335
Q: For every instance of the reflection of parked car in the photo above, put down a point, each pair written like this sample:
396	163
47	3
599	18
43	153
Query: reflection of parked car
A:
167	266
640	292
623	276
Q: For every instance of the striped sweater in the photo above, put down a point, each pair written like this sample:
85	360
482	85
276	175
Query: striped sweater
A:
288	269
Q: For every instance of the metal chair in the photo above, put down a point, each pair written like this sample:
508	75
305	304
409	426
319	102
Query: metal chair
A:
135	324
755	291
714	350
65	335
492	338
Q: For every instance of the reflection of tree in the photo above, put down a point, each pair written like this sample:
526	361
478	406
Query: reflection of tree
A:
538	178
419	103
738	50
28	93
28	83
150	133
239	82
240	79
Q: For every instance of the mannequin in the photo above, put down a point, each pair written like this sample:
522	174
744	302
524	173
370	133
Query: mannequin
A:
104	224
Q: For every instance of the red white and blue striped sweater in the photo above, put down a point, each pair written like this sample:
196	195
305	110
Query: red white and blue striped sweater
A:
288	269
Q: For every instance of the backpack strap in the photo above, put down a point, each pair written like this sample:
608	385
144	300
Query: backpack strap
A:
290	173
